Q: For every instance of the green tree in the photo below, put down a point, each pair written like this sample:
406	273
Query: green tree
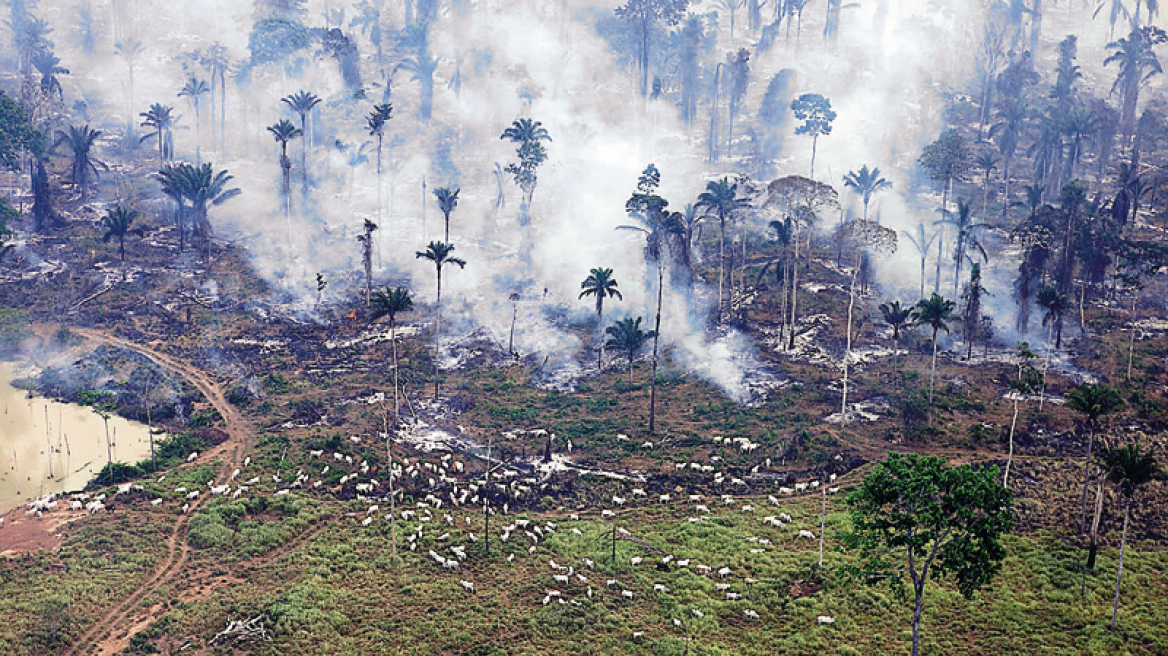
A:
1129	468
601	284
897	318
202	187
303	102
118	223
1092	402
529	135
816	113
440	254
193	91
721	200
1137	63
971	309
626	335
391	302
936	313
80	141
447	201
866	182
916	515
161	119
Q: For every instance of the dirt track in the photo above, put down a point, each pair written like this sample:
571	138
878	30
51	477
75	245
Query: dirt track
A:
111	632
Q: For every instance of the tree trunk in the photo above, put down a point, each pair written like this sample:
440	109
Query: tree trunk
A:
848	350
1119	570
600	329
794	292
932	376
656	338
1086	480
438	334
393	347
1010	457
721	260
916	627
1131	344
814	144
109	453
150	431
822	523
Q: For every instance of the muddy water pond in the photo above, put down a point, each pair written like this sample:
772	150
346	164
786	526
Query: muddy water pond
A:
46	446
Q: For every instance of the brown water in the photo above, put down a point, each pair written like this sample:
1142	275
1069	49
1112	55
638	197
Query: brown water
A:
30	426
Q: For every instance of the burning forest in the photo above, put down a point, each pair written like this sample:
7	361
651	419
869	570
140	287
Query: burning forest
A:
654	326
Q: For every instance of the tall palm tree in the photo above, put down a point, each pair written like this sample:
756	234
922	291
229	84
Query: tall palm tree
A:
1137	63
1129	468
440	254
626	335
303	102
935	313
1012	114
375	123
391	302
866	182
161	119
80	141
1092	402
967	237
721	199
117	223
1057	306
283	132
49	67
602	284
447	201
193	90
524	130
923	243
202	187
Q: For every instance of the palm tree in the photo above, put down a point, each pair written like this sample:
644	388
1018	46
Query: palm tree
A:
626	335
440	254
601	284
192	90
898	318
1013	114
923	244
80	142
935	313
391	302
161	120
168	177
1129	468
117	222
528	134
375	123
303	102
524	130
283	132
866	182
202	187
49	66
1137	63
1056	305
447	201
721	199
967	237
1093	402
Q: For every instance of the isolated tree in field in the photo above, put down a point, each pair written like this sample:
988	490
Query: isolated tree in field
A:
161	119
866	182
118	223
391	302
1021	386
923	242
440	254
721	200
898	318
916	515
626	335
816	113
1092	402
1129	468
645	16
303	102
529	135
80	141
283	132
936	313
103	403
1056	306
375	123
193	90
447	201
1137	63
601	284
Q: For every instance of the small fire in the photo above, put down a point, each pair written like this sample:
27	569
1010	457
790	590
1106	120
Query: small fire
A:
352	314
